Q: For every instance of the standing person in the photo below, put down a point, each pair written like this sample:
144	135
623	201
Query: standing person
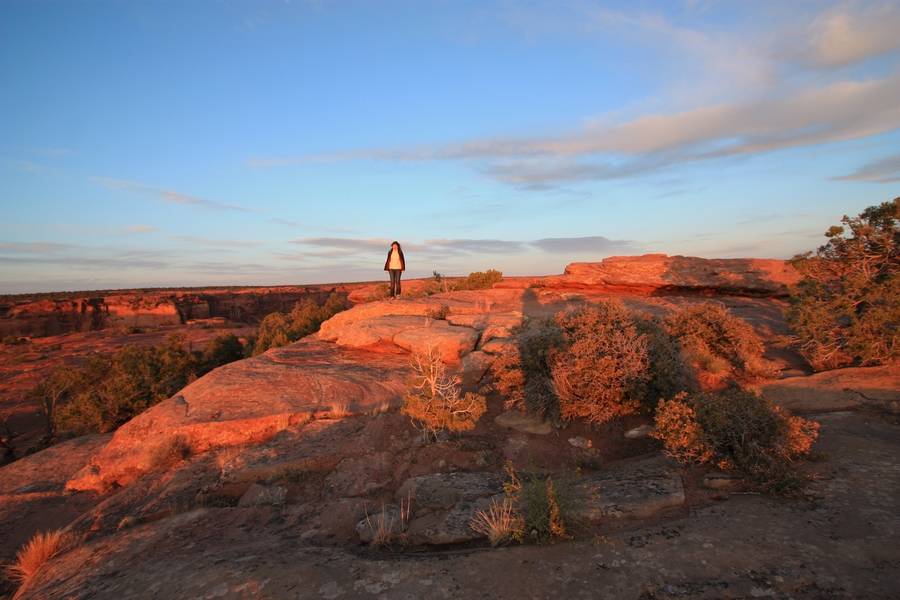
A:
395	265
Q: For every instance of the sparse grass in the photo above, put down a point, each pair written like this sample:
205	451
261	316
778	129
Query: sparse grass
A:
542	507
479	280
339	410
386	528
383	407
499	523
33	555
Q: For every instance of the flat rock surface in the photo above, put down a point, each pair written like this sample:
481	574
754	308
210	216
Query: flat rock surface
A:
839	389
842	543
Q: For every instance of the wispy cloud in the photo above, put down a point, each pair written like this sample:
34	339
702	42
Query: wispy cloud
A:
595	244
34	247
841	37
885	170
214	243
141	229
164	195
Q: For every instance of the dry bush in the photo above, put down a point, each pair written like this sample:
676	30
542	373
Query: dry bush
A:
438	313
717	342
669	373
500	523
522	374
604	366
435	402
736	430
386	528
479	280
33	555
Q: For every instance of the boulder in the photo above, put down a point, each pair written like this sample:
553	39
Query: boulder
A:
248	402
840	389
497	345
473	368
524	422
445	490
639	432
452	526
634	489
451	342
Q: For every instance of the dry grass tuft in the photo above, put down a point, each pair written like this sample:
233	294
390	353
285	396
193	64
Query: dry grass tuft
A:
500	523
387	528
32	556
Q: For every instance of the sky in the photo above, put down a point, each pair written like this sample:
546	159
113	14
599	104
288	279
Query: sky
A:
149	144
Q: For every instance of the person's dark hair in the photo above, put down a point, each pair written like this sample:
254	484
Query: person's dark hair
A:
399	247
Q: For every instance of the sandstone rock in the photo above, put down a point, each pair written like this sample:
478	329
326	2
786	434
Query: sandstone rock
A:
450	341
639	432
473	368
452	526
250	401
497	345
49	469
635	489
659	272
524	422
580	442
444	490
360	476
840	389
263	495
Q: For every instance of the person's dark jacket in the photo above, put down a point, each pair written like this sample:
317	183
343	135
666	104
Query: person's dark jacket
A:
388	260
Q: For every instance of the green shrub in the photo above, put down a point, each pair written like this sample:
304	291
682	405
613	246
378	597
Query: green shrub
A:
107	391
669	373
279	329
605	364
736	430
846	309
717	342
479	280
543	507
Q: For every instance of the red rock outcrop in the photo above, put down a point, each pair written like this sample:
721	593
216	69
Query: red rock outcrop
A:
662	274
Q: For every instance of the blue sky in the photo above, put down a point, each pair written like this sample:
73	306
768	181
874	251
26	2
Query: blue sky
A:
202	143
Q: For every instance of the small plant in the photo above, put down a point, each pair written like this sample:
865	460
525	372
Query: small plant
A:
717	342
499	523
435	402
387	528
542	511
33	555
438	313
339	410
736	430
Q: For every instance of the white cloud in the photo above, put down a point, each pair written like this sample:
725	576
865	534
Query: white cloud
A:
839	38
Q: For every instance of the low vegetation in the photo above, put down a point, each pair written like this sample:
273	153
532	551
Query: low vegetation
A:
736	430
280	329
479	280
435	401
500	523
107	391
717	342
604	361
846	309
33	555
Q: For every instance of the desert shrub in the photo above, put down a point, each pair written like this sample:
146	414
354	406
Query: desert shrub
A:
107	391
279	329
522	374
14	340
736	430
604	365
222	350
542	507
33	555
717	342
479	280
846	309
669	373
435	402
438	312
